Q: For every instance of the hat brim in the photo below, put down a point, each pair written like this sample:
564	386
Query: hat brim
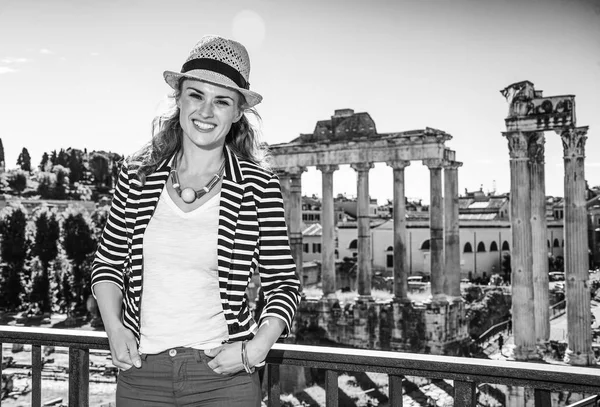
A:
172	78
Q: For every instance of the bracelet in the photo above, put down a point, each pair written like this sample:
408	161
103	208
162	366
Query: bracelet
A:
245	362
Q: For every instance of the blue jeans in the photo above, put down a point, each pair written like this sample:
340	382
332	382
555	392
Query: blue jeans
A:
181	377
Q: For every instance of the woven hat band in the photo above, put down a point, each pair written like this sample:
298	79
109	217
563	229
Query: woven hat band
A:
218	67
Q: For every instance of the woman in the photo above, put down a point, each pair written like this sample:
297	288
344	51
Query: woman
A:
193	216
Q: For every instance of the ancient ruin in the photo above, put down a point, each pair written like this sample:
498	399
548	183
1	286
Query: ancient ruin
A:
529	116
351	138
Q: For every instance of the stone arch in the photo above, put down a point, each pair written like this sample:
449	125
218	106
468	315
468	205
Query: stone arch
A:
481	247
353	245
425	245
493	247
556	243
505	246
468	248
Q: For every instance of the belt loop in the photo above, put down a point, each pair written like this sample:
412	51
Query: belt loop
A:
197	355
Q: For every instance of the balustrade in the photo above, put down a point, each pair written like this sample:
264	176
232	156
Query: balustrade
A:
467	373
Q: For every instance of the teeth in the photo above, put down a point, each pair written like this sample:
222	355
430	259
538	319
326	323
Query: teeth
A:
203	126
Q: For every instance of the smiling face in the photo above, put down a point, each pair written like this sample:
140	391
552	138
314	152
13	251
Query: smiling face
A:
206	114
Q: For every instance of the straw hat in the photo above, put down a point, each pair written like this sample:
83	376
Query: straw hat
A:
219	61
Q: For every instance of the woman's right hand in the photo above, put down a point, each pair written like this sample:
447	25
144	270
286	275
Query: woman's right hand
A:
123	348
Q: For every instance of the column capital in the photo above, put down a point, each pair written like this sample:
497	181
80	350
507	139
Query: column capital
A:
290	172
517	144
452	165
433	163
398	164
362	167
573	139
328	167
536	146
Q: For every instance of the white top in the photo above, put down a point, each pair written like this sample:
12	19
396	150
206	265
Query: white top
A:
181	304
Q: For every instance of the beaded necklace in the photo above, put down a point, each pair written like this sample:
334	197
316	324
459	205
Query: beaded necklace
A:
189	195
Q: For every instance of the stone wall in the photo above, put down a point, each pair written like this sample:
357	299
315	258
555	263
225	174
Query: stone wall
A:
436	328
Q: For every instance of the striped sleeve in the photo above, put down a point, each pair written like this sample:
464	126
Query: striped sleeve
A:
276	266
112	248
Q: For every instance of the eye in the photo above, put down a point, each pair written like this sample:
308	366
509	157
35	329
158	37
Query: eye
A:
223	102
196	95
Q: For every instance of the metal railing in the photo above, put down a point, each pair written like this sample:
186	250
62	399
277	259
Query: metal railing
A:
465	372
558	309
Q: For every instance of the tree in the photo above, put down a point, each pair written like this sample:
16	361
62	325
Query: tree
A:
62	182
39	296
17	181
24	160
45	161
13	249
45	248
46	185
78	243
1	154
76	166
53	158
100	169
63	158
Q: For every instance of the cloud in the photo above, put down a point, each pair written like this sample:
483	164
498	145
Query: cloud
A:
46	51
94	54
6	69
12	60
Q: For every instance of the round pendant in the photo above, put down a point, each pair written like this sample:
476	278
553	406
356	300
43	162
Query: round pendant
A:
188	195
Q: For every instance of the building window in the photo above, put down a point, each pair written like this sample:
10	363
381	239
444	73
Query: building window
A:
337	254
425	245
468	248
305	248
353	244
505	246
480	247
598	221
548	243
316	247
493	247
556	244
389	260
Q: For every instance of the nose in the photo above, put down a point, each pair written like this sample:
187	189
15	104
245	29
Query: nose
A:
206	110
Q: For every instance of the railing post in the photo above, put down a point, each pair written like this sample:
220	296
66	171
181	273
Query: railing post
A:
79	374
274	385
542	398
1	359
395	390
464	394
36	375
331	388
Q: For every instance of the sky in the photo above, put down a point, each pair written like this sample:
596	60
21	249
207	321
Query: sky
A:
88	73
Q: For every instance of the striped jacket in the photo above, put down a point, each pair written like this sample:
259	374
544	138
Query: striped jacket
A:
252	236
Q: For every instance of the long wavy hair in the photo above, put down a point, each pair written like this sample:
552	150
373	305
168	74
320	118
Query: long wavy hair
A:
167	139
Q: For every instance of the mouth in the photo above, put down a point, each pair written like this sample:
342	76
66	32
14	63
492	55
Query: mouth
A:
201	126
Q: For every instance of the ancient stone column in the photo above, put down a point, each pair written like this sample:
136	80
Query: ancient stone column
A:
579	335
436	229
400	252
328	232
295	215
284	180
451	231
364	229
523	315
539	248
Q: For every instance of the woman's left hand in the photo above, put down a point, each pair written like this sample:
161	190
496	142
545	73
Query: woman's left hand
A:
227	358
